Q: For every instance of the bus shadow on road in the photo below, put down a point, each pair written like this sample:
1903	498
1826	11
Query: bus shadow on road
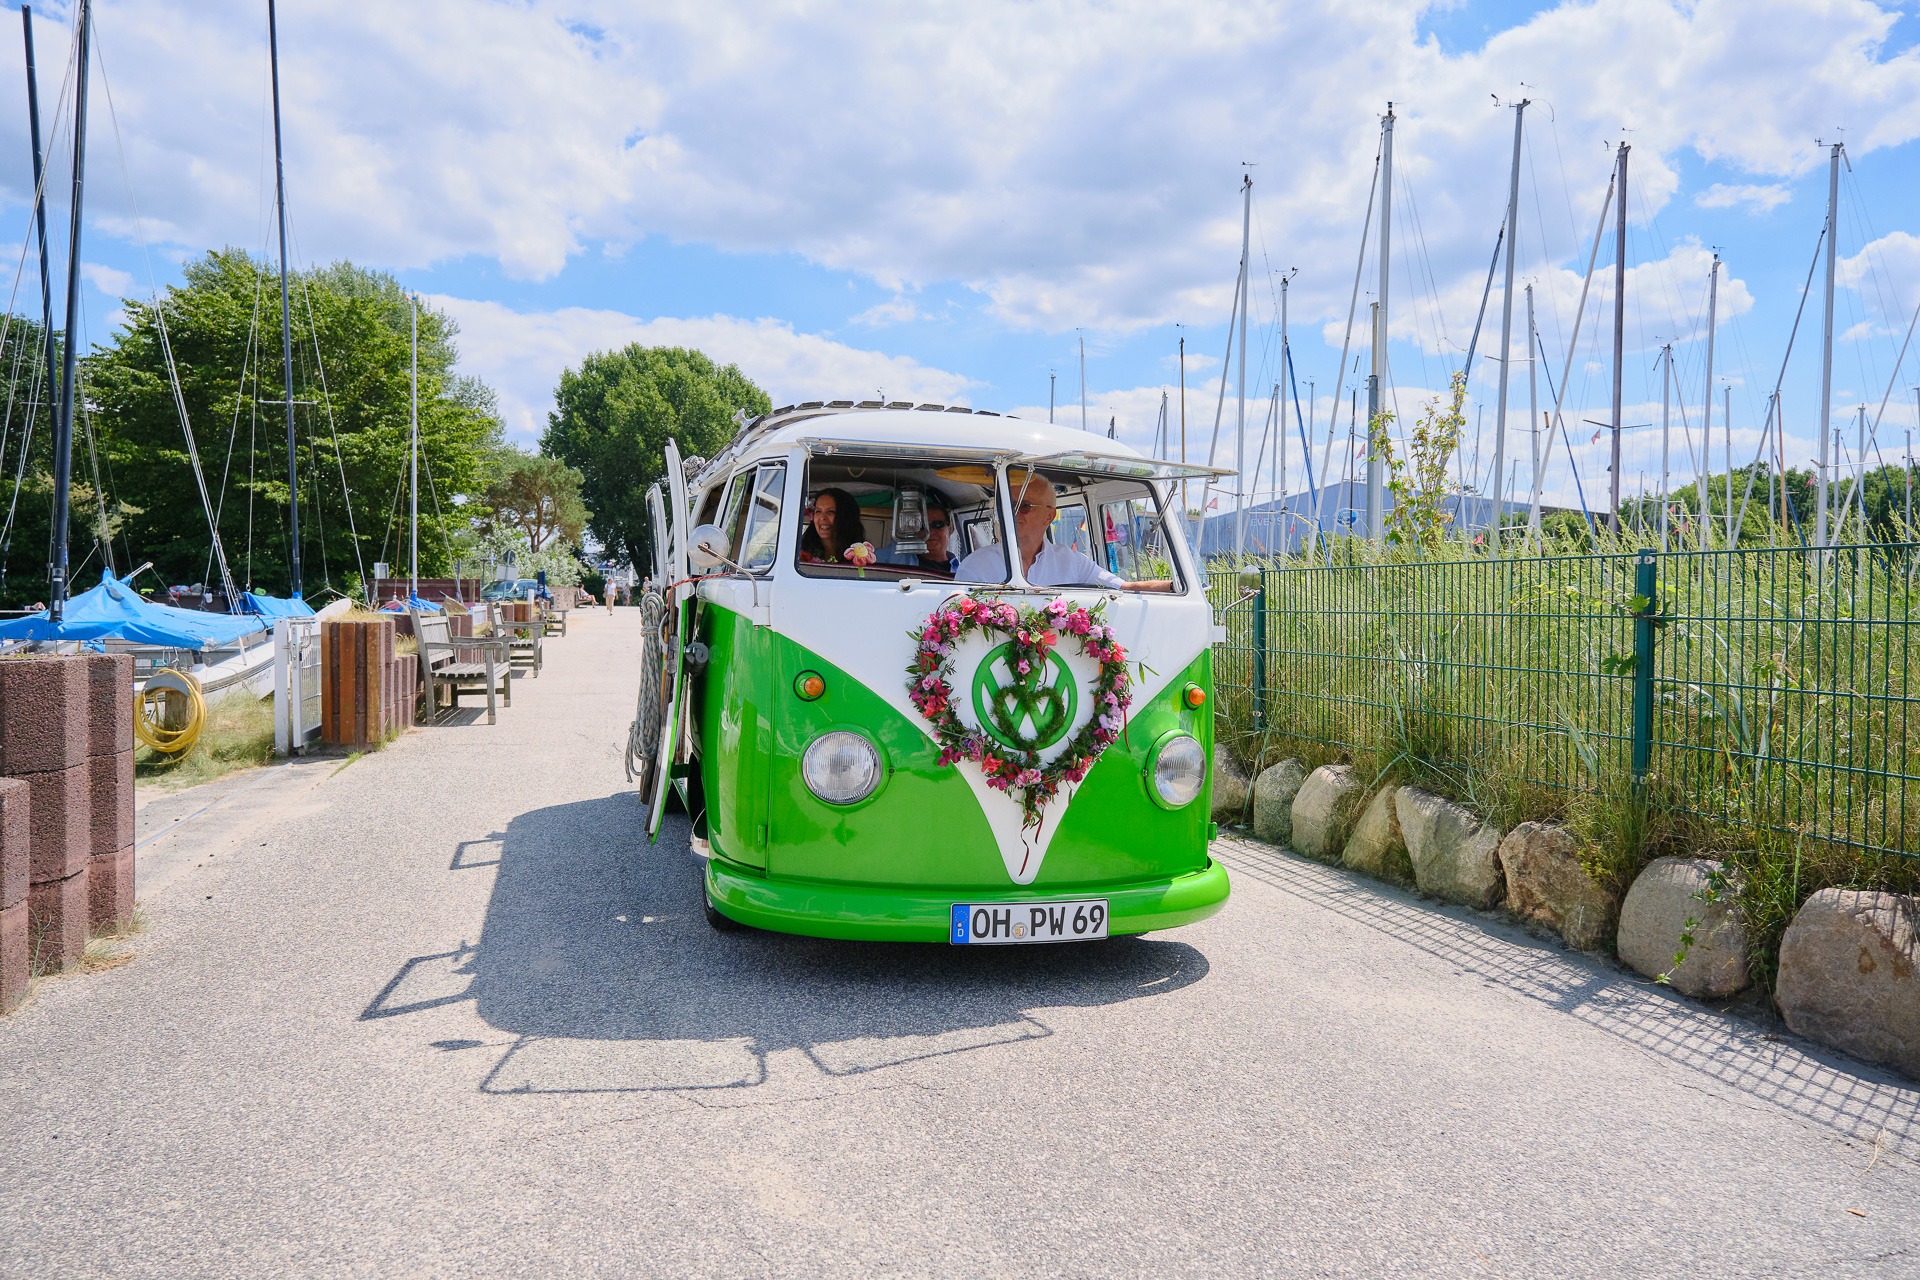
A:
597	958
1763	1063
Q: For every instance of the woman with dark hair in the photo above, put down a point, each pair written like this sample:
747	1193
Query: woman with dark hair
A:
833	525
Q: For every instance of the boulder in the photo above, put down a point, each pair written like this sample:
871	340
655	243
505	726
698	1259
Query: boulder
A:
1455	856
1229	787
1324	810
1547	885
1376	845
1848	975
1670	892
1273	793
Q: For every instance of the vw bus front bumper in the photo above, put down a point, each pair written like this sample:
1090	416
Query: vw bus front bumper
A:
887	914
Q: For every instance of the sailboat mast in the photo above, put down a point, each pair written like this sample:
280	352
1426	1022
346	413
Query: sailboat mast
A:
1533	393
1666	434
1185	499
1083	382
1706	411
1376	468
1280	487
39	191
1506	330
1726	433
1825	421
1619	341
286	315
63	422
413	436
1240	419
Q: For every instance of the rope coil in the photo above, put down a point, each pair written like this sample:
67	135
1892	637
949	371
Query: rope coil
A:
156	722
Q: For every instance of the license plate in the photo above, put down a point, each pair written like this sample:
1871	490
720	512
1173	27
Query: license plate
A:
1003	922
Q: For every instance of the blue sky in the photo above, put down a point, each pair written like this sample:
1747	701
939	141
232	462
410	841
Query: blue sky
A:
941	203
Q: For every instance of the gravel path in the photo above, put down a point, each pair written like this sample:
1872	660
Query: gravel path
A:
443	1012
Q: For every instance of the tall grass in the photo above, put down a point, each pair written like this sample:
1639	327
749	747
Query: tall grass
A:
238	735
1785	736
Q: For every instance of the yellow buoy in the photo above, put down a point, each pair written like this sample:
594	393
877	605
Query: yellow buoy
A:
170	712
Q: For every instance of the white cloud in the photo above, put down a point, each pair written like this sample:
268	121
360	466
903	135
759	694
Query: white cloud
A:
521	355
1755	198
880	315
1074	162
111	281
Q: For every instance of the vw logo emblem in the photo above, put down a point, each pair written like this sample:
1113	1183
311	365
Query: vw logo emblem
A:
1027	711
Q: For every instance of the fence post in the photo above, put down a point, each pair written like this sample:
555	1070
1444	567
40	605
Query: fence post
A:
285	710
1646	586
1260	655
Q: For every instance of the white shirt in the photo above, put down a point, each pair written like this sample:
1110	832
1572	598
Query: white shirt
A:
1055	566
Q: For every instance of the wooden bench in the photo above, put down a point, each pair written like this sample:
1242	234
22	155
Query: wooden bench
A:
556	620
441	666
523	639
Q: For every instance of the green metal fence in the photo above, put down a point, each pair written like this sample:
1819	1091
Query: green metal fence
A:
1764	688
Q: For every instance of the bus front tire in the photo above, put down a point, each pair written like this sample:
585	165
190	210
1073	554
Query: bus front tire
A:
720	923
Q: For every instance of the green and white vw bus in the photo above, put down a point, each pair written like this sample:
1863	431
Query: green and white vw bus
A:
929	674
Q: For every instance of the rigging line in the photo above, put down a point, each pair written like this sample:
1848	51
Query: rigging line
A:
102	535
326	399
63	110
1766	434
1219	409
240	397
160	322
1346	341
1300	423
34	387
1485	293
13	384
1439	332
1579	314
1572	464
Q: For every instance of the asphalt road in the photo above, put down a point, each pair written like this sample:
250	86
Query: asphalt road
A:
443	1012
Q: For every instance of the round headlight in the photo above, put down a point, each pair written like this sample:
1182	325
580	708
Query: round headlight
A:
841	767
1179	769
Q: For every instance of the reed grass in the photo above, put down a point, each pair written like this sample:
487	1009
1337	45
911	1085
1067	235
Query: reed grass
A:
1786	730
238	735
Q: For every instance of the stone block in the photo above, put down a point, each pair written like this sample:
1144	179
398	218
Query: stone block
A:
1850	975
1455	856
110	889
1547	885
109	703
109	803
57	922
1273	793
1324	810
58	822
15	956
43	714
1229	787
1377	845
16	840
1663	898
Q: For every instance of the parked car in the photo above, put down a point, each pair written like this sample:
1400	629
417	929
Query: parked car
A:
514	589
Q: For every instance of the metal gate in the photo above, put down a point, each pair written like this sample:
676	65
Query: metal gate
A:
296	684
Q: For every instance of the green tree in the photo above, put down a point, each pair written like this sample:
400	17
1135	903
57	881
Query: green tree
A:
351	385
538	497
612	419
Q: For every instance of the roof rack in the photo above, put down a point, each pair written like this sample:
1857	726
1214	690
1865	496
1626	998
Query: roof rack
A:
813	408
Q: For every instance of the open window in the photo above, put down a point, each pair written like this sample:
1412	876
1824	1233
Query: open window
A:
919	512
1108	530
755	550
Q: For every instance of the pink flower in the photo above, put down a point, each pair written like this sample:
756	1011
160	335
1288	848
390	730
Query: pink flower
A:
1025	666
860	554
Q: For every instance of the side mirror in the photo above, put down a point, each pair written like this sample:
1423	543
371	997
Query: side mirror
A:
707	548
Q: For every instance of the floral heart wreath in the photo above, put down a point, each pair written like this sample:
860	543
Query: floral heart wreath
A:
1031	635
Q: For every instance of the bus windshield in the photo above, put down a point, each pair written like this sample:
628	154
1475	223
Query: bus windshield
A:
922	518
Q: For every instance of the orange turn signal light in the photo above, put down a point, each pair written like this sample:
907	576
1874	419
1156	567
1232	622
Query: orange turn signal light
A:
809	685
1196	696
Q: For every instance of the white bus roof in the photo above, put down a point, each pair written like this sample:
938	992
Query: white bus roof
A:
820	426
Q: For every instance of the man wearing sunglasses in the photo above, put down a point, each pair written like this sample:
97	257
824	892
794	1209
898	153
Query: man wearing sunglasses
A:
938	560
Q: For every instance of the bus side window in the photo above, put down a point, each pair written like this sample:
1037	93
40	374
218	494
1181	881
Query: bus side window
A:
733	506
762	529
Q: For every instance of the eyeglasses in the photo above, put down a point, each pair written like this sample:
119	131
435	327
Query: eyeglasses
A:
937	524
1028	508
